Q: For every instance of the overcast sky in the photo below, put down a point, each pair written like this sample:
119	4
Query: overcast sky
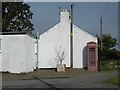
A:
86	15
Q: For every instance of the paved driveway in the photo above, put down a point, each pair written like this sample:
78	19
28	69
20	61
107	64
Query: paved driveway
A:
84	81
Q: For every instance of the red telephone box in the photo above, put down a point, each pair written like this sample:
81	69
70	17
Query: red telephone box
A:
92	56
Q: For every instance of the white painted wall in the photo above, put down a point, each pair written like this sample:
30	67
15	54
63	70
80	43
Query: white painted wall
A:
59	35
80	40
31	56
51	41
18	53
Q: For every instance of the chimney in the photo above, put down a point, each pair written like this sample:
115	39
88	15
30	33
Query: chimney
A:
64	16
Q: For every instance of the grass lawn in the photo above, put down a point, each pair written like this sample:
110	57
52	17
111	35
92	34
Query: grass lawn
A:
115	80
107	65
51	74
46	74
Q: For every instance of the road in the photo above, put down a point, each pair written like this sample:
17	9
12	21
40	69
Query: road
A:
85	81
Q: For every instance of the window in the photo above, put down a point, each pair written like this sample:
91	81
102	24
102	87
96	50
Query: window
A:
92	56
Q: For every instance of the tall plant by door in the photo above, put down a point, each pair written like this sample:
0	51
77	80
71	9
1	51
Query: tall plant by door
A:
60	56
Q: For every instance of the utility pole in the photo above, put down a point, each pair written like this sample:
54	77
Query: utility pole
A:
101	45
71	38
119	26
59	10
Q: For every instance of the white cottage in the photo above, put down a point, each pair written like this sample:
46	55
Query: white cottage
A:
58	38
17	52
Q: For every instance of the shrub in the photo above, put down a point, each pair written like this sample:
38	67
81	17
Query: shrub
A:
113	54
108	65
105	54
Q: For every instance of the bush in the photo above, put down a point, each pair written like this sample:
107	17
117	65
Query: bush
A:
113	54
105	54
108	65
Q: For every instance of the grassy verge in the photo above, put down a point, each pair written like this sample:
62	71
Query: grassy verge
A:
107	65
46	74
115	80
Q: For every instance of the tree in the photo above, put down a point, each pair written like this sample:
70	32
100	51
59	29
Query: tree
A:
108	41
108	52
16	16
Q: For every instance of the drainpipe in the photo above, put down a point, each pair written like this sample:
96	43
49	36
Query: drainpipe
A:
71	38
37	63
